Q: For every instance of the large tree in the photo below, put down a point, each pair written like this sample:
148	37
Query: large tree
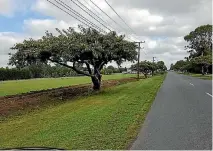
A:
72	49
202	61
199	44
199	41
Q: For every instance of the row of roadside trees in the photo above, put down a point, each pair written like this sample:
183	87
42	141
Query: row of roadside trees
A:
147	67
48	71
35	71
200	52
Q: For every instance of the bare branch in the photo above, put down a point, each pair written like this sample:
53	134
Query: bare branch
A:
101	65
80	72
74	68
88	68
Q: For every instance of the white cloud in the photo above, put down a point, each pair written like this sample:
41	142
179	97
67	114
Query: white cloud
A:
162	24
34	28
6	7
7	40
9	7
4	60
37	27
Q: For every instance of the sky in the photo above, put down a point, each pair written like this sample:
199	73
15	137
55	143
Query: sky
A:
162	24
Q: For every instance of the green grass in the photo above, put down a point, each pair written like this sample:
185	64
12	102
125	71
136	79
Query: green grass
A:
110	119
205	77
23	86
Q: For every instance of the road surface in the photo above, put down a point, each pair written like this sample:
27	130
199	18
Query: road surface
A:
180	117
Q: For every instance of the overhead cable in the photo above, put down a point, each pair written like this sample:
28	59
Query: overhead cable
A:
119	16
89	14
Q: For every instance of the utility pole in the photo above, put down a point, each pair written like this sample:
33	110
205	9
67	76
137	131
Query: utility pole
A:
153	60
139	44
202	65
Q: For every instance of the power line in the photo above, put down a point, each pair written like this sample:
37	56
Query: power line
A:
109	17
105	13
89	14
119	16
92	7
67	12
144	52
85	20
79	15
96	14
93	13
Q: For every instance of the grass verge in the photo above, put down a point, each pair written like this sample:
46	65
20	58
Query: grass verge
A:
108	120
205	77
23	86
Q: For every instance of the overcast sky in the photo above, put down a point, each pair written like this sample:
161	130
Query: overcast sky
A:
161	23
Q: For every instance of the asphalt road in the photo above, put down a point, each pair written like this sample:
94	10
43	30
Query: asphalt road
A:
180	117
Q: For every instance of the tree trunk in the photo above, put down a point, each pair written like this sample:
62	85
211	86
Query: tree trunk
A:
96	80
203	70
207	69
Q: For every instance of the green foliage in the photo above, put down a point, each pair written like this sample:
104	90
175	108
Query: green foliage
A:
202	60
161	66
108	120
178	66
35	71
200	49
14	74
111	67
172	66
200	41
107	71
195	64
121	69
147	67
88	47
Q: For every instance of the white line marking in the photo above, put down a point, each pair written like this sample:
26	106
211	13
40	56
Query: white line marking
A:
191	84
209	94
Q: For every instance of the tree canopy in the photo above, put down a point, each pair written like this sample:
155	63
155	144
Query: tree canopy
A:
70	48
199	41
147	67
161	66
200	51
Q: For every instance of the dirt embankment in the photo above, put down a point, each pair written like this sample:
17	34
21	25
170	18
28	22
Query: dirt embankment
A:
34	100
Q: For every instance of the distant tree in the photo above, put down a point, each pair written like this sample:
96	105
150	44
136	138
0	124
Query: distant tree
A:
121	69
14	74
179	65
88	47
172	66
111	68
145	67
161	66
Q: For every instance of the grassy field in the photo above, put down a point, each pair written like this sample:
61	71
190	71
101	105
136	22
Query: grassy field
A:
22	86
205	77
110	119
